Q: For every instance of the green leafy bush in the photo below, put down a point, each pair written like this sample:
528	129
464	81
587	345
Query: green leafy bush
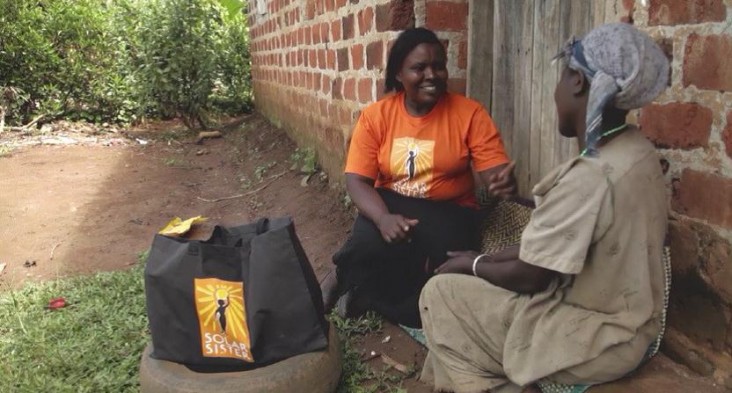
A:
118	60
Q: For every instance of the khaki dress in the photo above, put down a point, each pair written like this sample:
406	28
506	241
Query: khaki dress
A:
600	222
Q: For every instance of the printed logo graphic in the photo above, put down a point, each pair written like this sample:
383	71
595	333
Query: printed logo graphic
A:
222	317
412	161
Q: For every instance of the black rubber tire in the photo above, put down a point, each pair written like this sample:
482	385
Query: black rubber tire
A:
315	372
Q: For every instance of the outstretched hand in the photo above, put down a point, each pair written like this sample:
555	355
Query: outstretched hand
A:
395	227
503	183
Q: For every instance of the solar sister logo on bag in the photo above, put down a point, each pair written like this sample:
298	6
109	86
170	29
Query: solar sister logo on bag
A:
222	317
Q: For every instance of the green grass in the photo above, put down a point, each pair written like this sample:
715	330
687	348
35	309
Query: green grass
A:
358	377
91	345
94	344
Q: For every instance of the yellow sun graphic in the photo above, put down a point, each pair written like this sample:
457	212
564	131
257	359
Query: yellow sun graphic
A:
412	155
211	297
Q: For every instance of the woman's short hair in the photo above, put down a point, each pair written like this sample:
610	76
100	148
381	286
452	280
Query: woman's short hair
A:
404	44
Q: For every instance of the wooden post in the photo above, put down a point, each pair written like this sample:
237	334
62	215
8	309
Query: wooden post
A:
480	51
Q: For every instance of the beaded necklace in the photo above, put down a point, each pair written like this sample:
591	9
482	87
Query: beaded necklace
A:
607	133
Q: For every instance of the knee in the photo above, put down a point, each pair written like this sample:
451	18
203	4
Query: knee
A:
432	295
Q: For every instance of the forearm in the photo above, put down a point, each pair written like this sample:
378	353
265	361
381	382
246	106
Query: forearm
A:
499	180
513	274
364	196
486	176
510	253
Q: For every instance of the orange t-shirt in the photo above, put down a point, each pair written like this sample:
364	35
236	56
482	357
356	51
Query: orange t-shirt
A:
429	156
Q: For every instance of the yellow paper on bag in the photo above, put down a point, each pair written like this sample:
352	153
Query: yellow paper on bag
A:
178	227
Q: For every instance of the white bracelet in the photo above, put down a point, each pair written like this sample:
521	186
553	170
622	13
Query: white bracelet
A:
475	263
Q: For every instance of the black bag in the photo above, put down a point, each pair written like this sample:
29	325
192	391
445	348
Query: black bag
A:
246	297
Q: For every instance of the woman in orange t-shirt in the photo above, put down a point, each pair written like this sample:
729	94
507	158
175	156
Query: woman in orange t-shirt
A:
410	173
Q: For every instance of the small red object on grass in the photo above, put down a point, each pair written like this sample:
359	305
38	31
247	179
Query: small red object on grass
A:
57	302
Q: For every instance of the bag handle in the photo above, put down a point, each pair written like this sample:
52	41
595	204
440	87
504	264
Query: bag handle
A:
222	236
262	225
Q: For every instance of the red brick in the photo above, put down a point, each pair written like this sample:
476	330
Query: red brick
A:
308	35
324	27
349	89
316	35
395	15
331	59
342	55
708	62
321	58
677	125
704	196
365	90
313	58
682	12
335	29
462	62
447	16
337	89
365	20
340	3
380	88
302	76
330	5
375	55
456	85
308	81
347	25
727	135
357	57
317	82
326	84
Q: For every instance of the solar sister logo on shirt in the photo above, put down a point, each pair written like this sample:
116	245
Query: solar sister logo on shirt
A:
411	165
222	317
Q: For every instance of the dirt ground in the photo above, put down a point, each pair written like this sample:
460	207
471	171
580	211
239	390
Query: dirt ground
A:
79	200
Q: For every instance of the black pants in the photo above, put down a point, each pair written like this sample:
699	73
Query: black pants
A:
390	277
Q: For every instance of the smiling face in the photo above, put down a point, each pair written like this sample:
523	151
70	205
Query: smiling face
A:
424	77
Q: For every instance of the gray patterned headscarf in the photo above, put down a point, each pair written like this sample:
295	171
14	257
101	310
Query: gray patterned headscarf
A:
625	68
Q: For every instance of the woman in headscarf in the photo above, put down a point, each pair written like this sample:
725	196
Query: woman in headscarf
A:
580	300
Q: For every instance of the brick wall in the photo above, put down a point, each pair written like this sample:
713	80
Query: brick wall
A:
316	63
691	123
